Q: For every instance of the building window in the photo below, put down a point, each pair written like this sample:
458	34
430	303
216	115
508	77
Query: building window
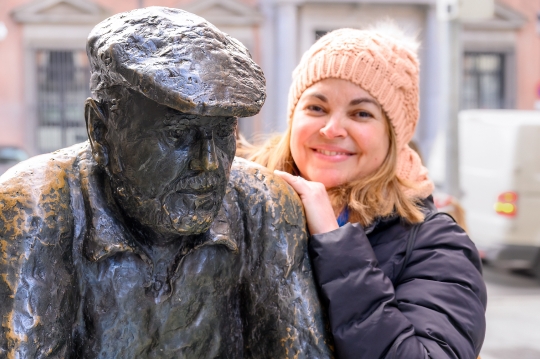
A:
62	87
483	80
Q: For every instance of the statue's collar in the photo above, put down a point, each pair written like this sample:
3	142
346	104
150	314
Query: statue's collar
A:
106	233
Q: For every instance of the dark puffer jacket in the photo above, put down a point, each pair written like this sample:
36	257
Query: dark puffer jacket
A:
434	310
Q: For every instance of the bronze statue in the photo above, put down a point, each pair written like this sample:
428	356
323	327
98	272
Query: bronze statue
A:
151	240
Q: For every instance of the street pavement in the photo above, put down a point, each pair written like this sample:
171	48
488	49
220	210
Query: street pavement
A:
513	315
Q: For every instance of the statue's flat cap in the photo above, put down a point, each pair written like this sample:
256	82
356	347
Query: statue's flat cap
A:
176	59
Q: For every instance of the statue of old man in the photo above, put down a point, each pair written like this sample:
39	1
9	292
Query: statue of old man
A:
150	240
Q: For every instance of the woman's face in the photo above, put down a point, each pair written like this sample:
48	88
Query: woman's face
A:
339	133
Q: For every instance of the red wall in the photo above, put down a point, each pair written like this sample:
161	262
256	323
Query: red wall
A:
12	129
527	53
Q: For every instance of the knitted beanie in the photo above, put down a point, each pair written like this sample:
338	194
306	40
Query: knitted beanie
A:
384	66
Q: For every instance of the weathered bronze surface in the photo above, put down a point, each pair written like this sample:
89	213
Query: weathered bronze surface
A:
150	240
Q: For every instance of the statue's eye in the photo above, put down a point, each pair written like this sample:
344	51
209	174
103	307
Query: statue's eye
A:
226	129
178	132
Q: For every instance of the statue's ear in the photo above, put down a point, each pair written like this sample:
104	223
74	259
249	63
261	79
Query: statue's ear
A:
96	127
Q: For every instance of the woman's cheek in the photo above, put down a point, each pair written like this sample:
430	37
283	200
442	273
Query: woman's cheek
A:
299	135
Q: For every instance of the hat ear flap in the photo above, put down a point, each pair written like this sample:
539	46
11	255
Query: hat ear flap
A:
97	129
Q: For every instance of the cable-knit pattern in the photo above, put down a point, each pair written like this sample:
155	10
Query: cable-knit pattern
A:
384	68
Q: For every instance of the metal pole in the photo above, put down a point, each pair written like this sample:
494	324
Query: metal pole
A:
140	3
286	35
454	105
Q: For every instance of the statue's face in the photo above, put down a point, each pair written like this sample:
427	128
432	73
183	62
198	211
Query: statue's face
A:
169	170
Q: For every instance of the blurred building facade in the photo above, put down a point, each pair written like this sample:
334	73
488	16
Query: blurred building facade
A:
44	70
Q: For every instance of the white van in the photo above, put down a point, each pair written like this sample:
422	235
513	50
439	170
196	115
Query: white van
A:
500	178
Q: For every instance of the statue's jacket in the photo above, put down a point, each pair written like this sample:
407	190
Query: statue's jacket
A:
74	283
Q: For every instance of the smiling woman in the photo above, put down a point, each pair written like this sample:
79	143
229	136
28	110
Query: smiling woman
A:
398	280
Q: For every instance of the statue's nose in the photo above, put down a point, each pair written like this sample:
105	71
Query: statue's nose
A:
207	159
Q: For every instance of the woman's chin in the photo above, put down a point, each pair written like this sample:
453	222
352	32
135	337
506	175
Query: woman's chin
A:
330	181
330	176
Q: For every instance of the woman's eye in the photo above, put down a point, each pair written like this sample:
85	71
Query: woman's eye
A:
364	114
315	108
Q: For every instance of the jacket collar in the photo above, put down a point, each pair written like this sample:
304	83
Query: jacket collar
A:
427	206
106	232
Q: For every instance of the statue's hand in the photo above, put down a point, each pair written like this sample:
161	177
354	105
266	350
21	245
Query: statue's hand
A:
319	213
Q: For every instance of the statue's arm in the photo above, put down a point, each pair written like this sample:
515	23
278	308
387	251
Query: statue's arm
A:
37	282
283	316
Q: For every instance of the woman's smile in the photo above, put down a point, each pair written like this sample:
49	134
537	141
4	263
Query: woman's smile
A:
331	153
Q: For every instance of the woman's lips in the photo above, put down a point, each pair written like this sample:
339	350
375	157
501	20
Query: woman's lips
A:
332	154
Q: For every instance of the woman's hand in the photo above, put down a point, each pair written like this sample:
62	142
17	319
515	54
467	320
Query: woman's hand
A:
319	213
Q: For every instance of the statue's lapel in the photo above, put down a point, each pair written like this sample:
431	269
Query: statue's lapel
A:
106	234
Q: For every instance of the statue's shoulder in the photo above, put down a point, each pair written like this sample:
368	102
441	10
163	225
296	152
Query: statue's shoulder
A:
273	219
42	173
37	190
36	236
262	193
250	177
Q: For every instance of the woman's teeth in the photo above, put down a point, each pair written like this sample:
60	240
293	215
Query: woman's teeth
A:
331	153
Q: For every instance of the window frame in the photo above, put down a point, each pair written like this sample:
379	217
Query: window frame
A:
478	73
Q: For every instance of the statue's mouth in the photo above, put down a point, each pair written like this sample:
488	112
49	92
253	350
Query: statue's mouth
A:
205	202
197	200
199	192
200	184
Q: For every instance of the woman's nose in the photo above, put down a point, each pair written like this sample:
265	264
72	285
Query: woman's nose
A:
207	159
333	127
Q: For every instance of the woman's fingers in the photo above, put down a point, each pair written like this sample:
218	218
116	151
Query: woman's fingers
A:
296	182
319	212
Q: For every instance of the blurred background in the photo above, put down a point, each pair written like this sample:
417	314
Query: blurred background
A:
479	131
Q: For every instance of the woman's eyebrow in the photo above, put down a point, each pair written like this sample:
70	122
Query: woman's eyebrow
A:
358	101
319	96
